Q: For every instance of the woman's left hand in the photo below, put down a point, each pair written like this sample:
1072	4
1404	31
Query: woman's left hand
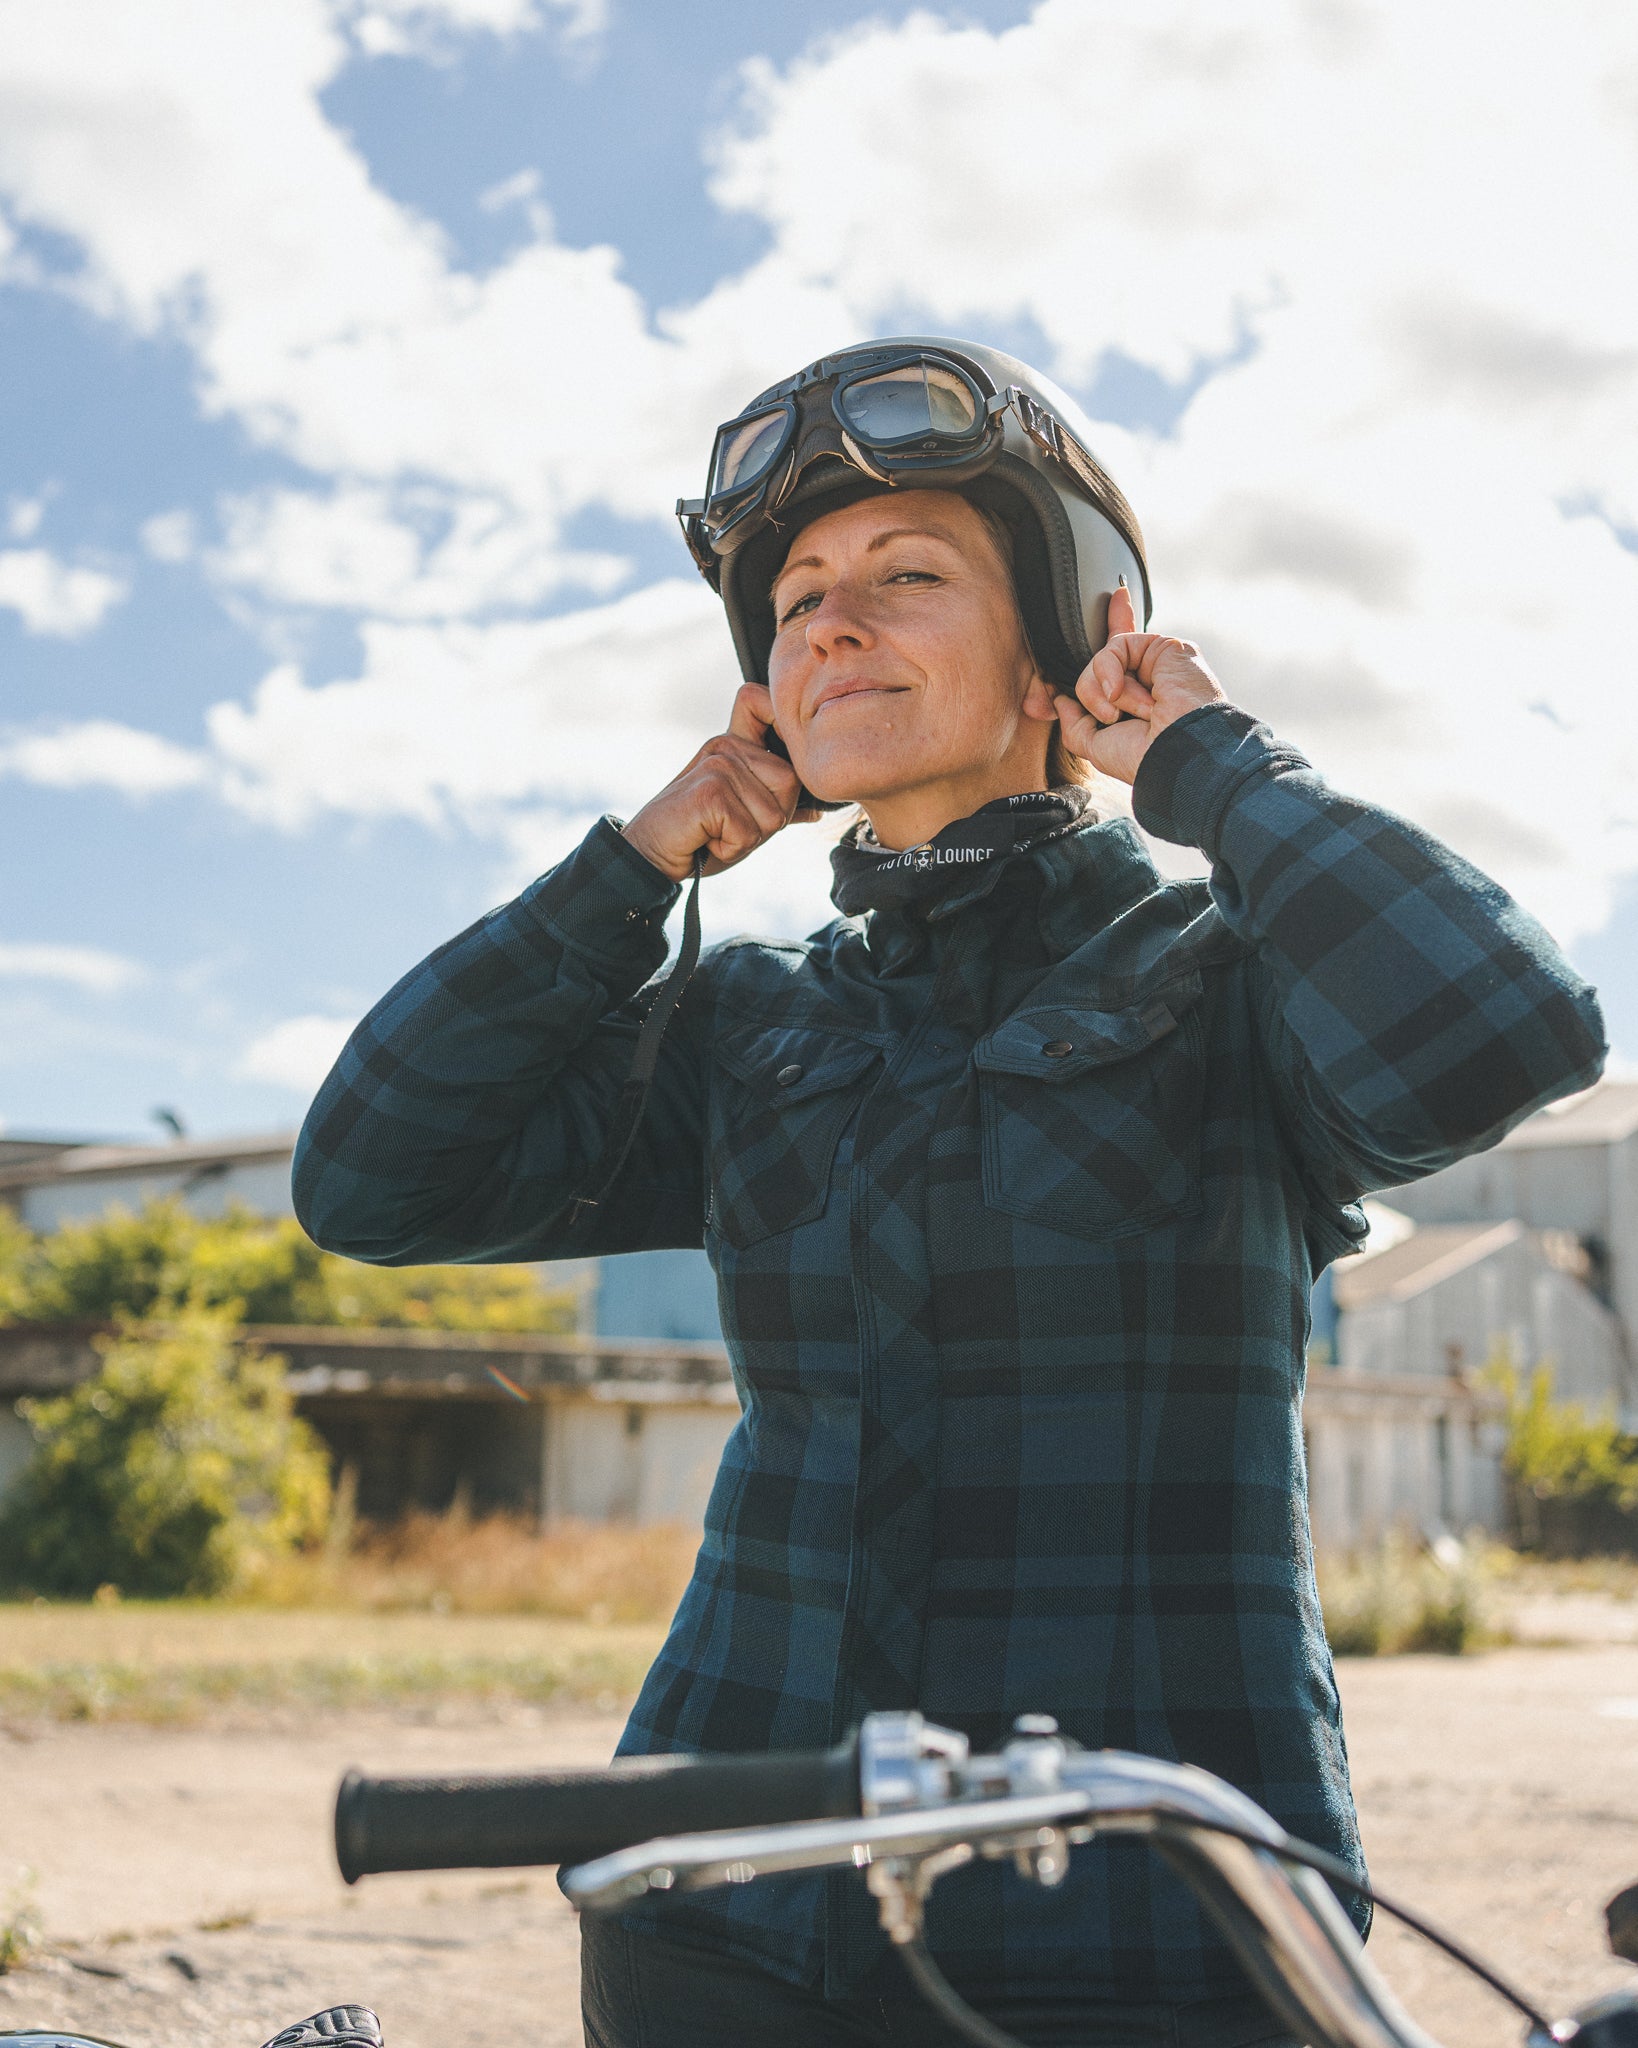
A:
1136	685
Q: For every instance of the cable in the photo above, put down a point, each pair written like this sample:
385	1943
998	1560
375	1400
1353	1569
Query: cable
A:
1335	1871
937	1989
946	2001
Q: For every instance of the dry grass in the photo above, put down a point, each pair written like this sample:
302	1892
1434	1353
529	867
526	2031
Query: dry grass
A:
173	1663
1404	1597
1615	1578
457	1563
430	1610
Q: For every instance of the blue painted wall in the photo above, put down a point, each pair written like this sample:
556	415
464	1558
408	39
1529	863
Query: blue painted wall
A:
658	1294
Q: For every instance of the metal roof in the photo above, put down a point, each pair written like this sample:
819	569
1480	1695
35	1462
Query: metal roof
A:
1431	1255
186	1155
1604	1114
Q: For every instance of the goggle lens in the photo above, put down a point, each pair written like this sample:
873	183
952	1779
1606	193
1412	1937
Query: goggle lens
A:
909	404
745	450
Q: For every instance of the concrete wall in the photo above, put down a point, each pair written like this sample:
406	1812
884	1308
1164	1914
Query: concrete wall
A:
1381	1456
631	1461
262	1186
658	1294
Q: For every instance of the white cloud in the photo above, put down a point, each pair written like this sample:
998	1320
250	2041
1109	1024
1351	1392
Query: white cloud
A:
101	753
398	28
85	967
169	536
1364	519
23	516
464	723
415	553
296	1054
52	597
1375	516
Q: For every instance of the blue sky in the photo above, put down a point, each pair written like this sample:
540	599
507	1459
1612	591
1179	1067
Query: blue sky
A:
321	406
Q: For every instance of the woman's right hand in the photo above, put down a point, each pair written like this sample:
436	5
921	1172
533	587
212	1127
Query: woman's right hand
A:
731	797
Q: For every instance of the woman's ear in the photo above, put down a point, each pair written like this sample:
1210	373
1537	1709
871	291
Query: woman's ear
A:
1040	699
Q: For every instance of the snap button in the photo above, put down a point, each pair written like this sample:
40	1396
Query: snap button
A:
1057	1048
788	1076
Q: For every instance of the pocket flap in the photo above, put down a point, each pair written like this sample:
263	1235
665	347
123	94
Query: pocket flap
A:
789	1063
1057	1041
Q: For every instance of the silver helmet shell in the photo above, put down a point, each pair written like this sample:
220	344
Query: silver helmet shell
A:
1074	534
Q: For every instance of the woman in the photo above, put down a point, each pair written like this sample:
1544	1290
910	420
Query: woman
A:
1016	1179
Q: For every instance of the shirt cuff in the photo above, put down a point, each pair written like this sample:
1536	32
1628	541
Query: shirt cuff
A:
606	900
1192	772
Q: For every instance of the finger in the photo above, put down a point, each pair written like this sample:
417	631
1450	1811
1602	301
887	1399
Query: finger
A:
753	714
1118	669
754	758
1099	687
1079	726
1122	612
733	828
766	786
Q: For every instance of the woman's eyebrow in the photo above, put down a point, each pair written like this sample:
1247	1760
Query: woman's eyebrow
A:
785	569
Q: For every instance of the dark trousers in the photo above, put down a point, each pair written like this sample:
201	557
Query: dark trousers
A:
640	1991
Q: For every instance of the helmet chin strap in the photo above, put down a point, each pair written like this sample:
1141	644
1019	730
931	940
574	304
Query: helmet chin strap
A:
628	1111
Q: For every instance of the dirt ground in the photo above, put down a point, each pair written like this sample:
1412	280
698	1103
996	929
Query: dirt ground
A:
188	1899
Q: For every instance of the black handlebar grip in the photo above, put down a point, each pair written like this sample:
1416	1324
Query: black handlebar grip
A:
571	1816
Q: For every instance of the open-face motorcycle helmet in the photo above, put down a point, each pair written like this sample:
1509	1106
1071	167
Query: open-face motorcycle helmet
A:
921	412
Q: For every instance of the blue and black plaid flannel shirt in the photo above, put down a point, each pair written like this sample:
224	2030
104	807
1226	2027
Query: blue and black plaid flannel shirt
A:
1015	1205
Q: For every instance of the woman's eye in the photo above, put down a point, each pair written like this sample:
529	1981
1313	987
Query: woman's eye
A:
913	576
803	604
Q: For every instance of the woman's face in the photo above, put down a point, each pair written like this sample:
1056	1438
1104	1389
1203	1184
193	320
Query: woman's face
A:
900	673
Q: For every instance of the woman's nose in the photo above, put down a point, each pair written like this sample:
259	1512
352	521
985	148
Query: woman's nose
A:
840	621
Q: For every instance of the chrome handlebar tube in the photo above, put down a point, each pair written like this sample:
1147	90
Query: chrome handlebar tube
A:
928	1807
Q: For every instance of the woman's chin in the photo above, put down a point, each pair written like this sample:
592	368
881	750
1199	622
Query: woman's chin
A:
856	775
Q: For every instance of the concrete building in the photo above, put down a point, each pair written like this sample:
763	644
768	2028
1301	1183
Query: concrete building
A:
1528	1253
603	1432
1572	1169
70	1182
1530	1249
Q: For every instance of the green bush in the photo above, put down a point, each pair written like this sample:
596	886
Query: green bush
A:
1558	1451
1574	1476
180	1468
260	1271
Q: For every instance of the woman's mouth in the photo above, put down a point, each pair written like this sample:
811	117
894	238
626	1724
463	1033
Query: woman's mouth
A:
844	692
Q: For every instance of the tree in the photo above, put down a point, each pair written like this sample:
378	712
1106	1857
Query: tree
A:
257	1270
175	1470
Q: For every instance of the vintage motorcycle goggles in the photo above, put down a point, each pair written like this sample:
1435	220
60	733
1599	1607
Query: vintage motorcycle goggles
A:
919	414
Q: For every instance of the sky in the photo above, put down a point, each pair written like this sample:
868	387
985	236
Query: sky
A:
356	351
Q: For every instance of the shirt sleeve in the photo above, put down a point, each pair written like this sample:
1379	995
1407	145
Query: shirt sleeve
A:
469	1108
1409	1011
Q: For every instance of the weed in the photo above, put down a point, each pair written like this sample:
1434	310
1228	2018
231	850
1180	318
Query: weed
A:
180	1695
458	1563
1404	1597
19	1924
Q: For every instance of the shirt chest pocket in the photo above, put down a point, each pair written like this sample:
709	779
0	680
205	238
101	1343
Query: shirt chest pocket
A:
781	1098
1091	1118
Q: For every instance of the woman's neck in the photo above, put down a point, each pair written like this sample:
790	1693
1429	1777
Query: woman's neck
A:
911	817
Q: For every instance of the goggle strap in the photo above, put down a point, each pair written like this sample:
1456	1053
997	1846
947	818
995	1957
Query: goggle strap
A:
1050	435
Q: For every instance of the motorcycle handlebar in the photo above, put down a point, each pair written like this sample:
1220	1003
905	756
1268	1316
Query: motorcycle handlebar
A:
470	1823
